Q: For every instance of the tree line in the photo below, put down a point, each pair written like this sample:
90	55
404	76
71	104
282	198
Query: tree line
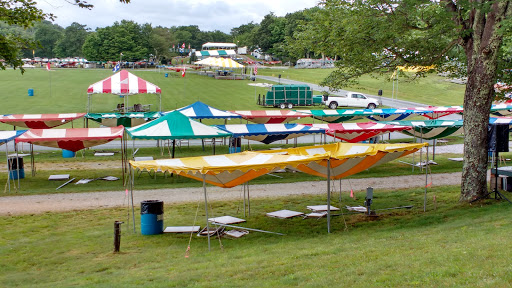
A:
136	41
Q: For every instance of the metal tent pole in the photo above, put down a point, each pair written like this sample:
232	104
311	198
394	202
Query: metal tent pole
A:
206	210
131	192
329	195
426	184
32	161
8	168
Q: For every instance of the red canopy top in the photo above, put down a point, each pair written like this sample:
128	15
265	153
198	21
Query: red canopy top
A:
124	83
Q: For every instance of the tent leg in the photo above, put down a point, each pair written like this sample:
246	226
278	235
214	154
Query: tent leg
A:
174	147
8	168
122	159
249	199
244	201
426	184
328	196
131	192
206	210
32	162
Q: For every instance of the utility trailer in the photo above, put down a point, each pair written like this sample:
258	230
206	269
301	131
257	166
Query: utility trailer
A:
288	96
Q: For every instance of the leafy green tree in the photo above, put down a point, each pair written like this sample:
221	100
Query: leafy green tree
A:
245	35
125	37
23	13
72	40
374	35
47	35
160	41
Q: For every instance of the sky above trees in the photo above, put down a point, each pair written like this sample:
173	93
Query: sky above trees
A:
209	15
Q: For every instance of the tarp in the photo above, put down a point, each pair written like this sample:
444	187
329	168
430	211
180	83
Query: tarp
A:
130	119
268	133
73	139
356	132
234	169
175	125
199	110
6	136
432	129
124	83
39	121
219	62
271	116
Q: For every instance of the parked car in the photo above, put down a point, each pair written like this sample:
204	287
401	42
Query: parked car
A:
351	99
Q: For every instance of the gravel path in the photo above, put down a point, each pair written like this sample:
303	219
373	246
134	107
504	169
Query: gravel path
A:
35	204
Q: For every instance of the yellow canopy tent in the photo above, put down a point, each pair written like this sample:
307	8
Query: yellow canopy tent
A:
332	161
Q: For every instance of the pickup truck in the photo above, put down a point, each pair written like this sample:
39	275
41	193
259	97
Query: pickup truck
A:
351	99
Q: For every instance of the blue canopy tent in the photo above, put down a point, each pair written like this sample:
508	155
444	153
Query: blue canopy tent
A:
199	110
6	136
268	133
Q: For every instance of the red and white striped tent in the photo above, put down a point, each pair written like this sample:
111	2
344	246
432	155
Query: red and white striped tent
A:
73	139
271	116
39	121
123	83
357	132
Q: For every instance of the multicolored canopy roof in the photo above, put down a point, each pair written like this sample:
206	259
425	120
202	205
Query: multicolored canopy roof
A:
219	62
130	119
199	110
268	133
215	53
6	136
124	83
357	132
501	120
39	121
337	116
432	129
73	139
175	125
501	109
271	116
234	169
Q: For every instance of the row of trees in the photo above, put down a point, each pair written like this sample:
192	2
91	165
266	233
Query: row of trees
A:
272	35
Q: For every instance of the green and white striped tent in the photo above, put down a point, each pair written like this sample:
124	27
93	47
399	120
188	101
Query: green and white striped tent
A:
130	119
174	126
431	129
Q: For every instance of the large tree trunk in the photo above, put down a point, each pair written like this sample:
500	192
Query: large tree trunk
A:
481	50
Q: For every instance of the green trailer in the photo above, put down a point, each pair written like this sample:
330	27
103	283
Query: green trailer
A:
288	96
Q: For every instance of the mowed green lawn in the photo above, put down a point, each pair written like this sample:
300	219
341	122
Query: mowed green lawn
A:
450	245
69	91
432	90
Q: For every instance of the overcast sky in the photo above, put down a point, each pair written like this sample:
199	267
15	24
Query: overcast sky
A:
208	15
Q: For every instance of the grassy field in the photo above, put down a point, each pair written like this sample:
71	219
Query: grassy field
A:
432	90
450	245
69	90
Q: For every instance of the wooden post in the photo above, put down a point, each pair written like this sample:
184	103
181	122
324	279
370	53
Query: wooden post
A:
117	235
